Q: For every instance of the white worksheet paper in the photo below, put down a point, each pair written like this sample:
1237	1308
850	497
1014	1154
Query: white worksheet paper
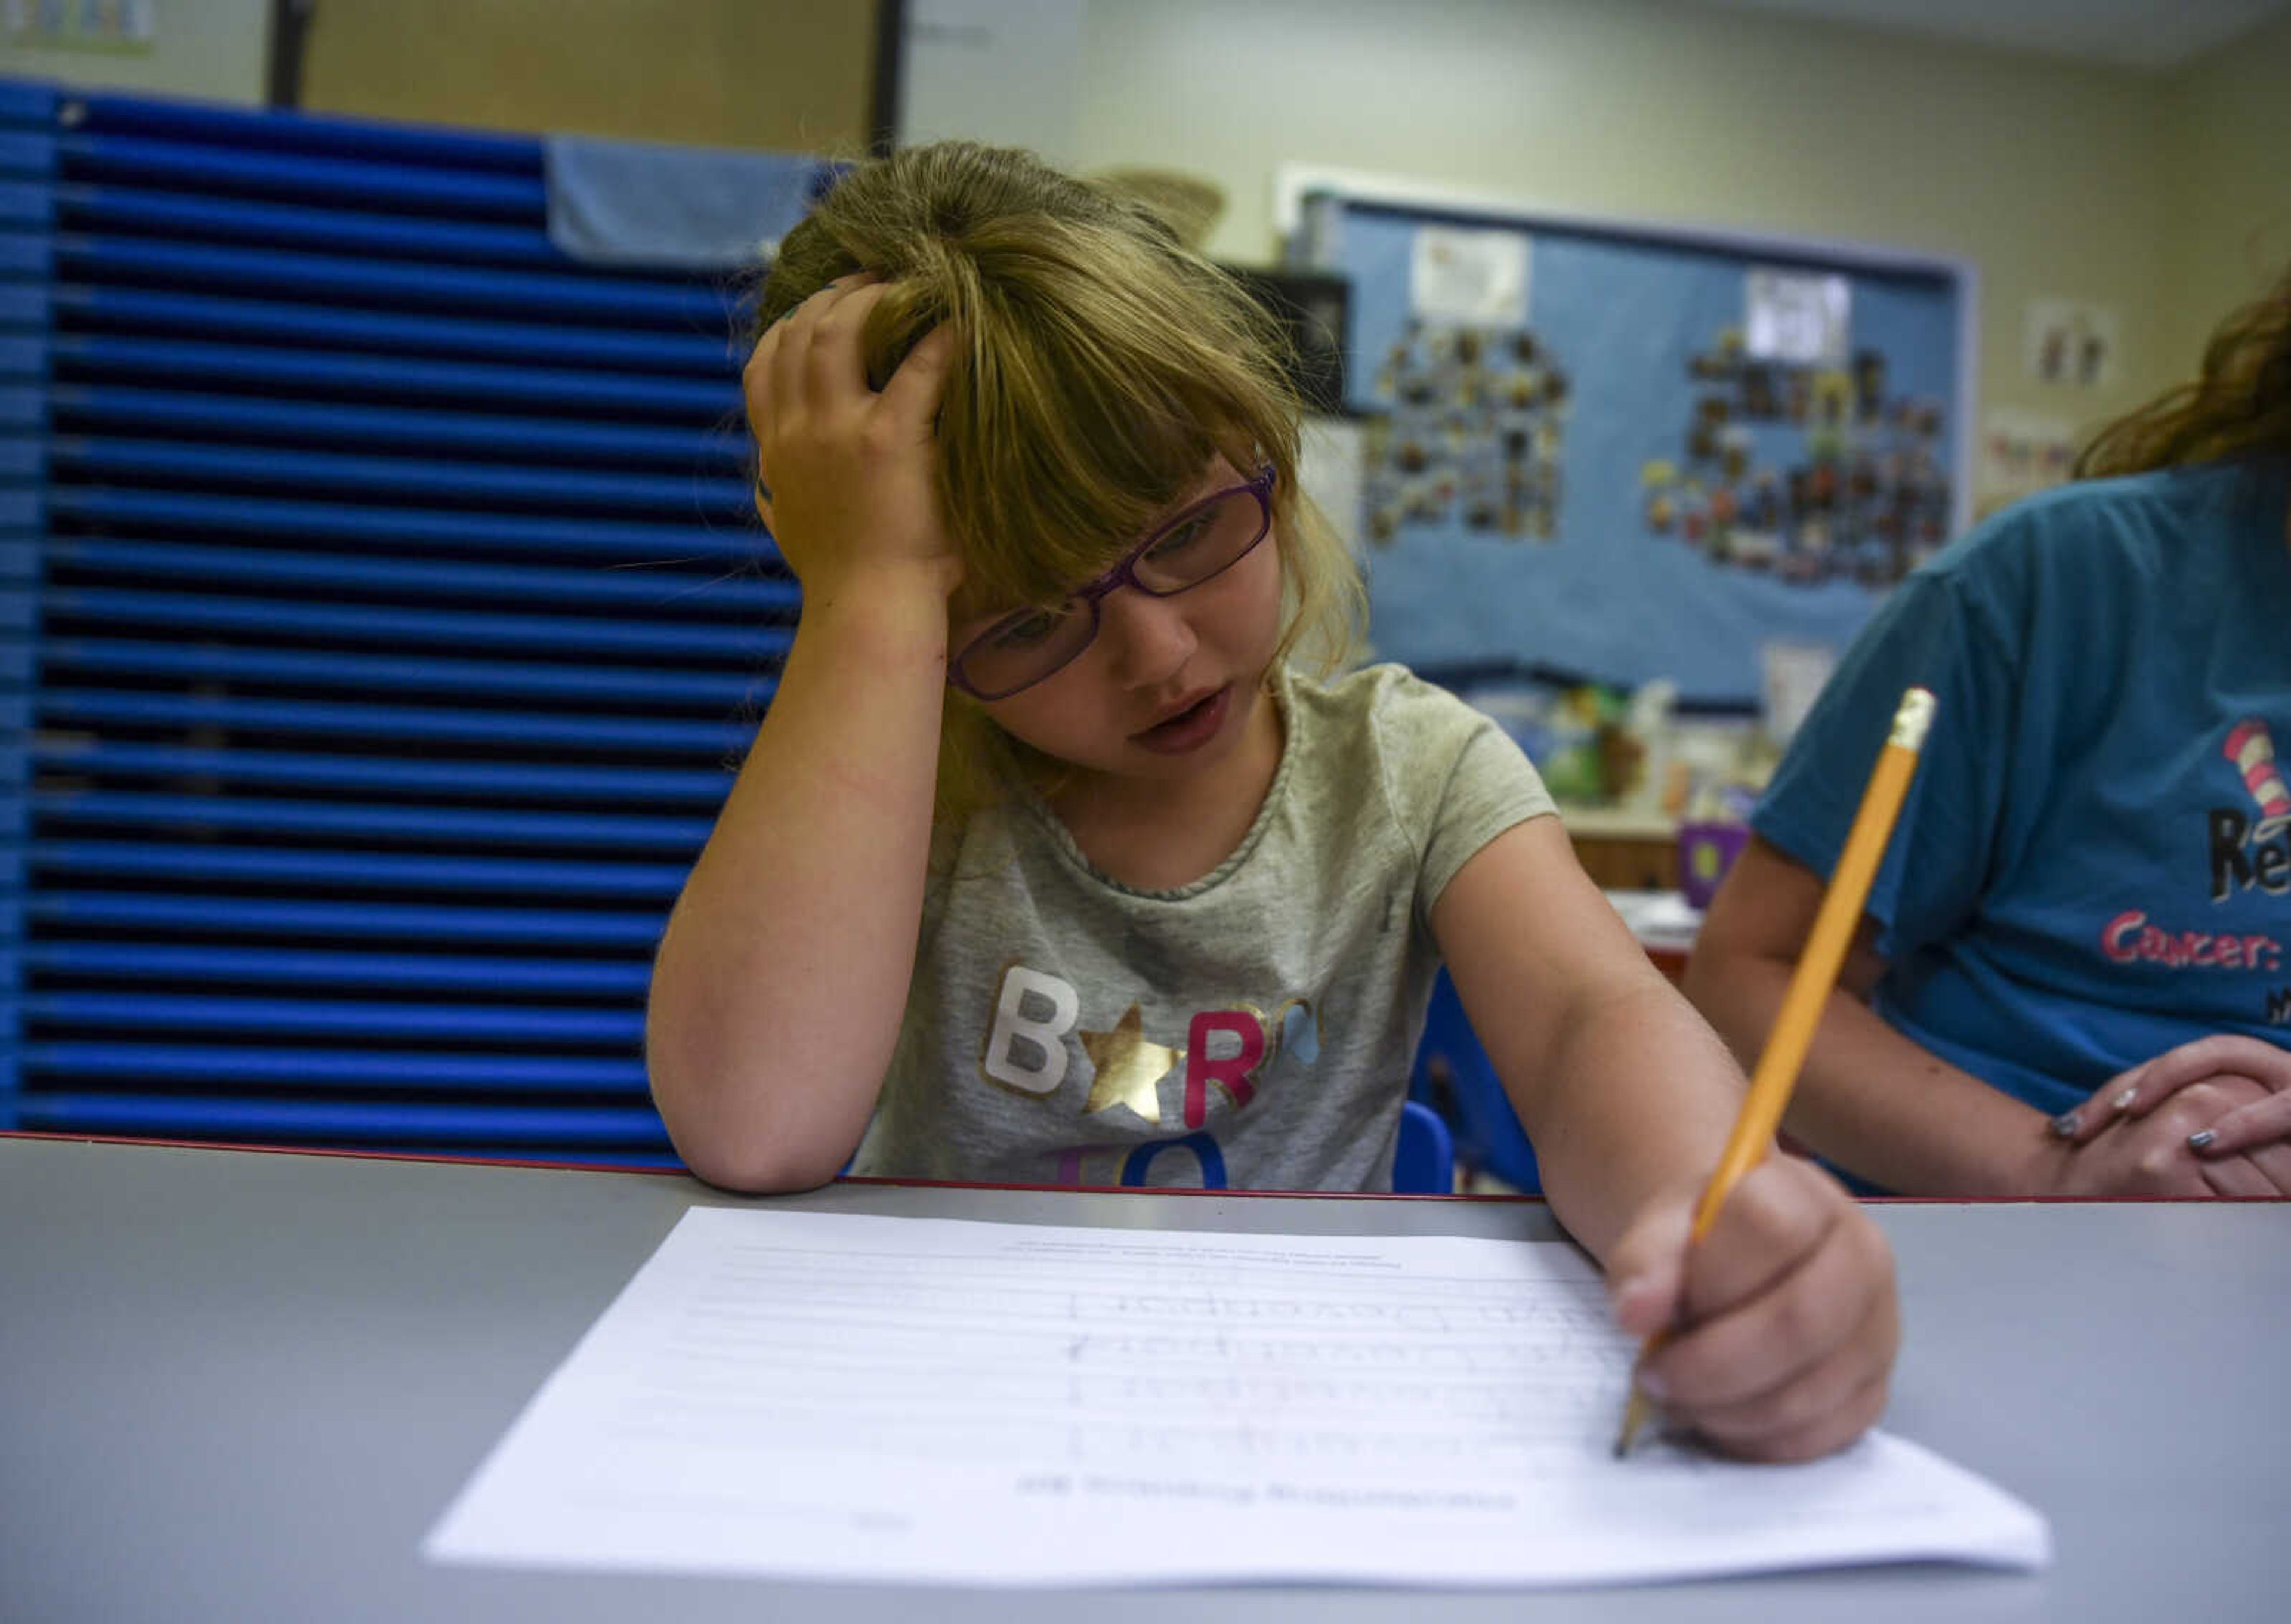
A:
842	1397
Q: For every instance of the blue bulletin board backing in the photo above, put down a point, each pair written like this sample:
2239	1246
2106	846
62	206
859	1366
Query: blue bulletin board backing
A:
1618	488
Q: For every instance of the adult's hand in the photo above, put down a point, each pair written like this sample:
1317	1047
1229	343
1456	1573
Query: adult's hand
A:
2149	1154
2252	1098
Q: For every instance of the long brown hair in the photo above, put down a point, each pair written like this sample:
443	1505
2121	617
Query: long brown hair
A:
2238	405
1100	366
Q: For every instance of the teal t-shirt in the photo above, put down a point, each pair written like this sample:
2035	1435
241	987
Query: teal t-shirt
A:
2095	863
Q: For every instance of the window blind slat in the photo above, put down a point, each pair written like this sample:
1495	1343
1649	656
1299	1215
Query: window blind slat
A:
379	1123
716	693
187	913
353	375
394	872
438	825
85	757
663	591
291	1018
80	409
208	963
393	529
423	628
319	278
376	724
82	307
272	1067
325	178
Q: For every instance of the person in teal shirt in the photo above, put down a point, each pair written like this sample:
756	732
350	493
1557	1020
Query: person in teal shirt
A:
2074	975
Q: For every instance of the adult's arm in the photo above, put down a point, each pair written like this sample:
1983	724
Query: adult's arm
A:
1868	1098
1876	1102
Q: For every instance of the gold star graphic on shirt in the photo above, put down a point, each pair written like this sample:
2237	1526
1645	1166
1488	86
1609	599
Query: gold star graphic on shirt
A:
1130	1068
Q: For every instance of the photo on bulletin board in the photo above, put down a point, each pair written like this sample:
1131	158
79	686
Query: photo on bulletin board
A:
1616	455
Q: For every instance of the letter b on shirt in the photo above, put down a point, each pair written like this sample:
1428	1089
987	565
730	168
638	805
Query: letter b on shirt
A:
1027	1050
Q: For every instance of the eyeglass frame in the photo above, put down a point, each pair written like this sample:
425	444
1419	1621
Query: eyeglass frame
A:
1124	573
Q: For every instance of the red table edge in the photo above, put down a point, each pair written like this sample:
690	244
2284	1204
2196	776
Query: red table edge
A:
1054	1189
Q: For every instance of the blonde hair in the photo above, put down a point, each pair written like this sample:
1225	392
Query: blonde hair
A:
1098	366
2238	405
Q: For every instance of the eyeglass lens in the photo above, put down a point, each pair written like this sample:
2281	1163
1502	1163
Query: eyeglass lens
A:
1025	648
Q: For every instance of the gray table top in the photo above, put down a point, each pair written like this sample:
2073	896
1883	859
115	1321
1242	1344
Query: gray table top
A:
239	1385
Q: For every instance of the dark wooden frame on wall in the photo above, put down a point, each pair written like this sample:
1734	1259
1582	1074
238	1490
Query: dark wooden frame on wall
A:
290	26
884	109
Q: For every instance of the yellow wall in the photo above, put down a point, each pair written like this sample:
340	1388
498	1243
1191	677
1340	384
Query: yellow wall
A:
2051	178
2230	182
779	74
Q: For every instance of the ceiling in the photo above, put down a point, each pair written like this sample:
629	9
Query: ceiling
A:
2155	35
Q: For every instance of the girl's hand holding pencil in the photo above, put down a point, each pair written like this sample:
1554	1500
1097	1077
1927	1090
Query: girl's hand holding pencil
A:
1774	1328
1782	1320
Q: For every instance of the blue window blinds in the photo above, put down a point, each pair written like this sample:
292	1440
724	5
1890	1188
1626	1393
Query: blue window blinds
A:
382	615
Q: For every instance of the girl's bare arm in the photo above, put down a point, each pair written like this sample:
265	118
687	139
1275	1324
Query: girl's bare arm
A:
780	983
1782	1319
1625	1093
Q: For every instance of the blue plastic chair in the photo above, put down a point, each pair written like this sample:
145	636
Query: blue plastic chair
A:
1425	1163
1455	1079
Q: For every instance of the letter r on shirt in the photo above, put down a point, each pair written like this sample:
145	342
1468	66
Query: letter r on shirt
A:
1041	1035
1230	1072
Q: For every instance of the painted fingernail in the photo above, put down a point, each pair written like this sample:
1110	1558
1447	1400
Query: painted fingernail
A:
2064	1125
2201	1139
2124	1101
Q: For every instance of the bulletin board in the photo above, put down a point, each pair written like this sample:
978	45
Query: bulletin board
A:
1617	453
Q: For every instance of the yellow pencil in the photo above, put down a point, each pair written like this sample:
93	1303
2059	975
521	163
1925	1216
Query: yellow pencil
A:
1809	989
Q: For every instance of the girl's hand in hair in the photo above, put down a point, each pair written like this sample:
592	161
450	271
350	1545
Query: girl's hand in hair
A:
847	476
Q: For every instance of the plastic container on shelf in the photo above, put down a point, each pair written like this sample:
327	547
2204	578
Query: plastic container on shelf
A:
1707	849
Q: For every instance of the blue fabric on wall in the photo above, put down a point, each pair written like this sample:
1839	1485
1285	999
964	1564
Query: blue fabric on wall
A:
671	207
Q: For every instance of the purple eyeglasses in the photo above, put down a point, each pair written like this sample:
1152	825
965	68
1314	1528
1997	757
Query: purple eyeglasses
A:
1027	646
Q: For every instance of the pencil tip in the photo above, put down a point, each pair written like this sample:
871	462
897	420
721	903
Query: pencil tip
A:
1635	1410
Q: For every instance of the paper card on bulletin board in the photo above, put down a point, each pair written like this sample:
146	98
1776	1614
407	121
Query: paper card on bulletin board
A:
1616	488
1459	277
1798	317
2071	343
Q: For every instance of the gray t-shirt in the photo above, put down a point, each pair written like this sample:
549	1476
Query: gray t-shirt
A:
1253	1030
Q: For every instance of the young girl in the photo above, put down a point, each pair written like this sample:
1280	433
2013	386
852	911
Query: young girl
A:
1048	867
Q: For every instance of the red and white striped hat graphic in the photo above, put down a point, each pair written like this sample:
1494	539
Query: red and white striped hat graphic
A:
2252	749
